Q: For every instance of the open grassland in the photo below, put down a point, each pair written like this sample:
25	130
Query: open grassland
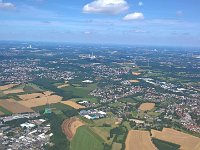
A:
86	139
103	132
72	104
40	101
70	126
146	106
139	140
186	141
14	106
8	86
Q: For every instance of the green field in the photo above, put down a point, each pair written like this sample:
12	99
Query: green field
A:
5	111
85	139
80	92
57	106
163	145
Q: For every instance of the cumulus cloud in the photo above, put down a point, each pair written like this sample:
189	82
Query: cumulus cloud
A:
106	6
134	16
4	5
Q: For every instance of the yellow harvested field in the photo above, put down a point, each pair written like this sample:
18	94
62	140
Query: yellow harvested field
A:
134	81
51	99
62	86
14	107
73	104
136	73
5	87
13	91
26	97
139	140
186	141
1	113
146	106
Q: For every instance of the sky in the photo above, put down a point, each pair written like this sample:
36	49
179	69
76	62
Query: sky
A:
132	22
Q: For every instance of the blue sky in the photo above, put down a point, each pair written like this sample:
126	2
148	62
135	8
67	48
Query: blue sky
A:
134	22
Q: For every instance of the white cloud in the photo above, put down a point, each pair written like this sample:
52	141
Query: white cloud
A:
87	32
4	5
140	3
106	6
134	16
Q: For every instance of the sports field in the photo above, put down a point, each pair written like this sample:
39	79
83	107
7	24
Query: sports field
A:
139	140
186	141
85	139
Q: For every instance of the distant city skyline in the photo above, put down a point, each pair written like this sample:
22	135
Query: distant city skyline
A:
132	22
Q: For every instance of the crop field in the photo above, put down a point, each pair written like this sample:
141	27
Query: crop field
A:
139	140
186	141
26	97
136	73
86	139
8	86
72	104
116	146
1	113
13	91
69	127
134	81
62	86
40	101
146	106
14	106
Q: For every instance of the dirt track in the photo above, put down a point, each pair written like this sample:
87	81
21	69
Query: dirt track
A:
69	127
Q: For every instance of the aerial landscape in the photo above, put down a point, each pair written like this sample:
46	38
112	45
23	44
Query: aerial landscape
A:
92	81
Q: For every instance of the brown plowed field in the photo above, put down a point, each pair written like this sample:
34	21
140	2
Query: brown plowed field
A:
14	107
186	141
69	127
139	140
